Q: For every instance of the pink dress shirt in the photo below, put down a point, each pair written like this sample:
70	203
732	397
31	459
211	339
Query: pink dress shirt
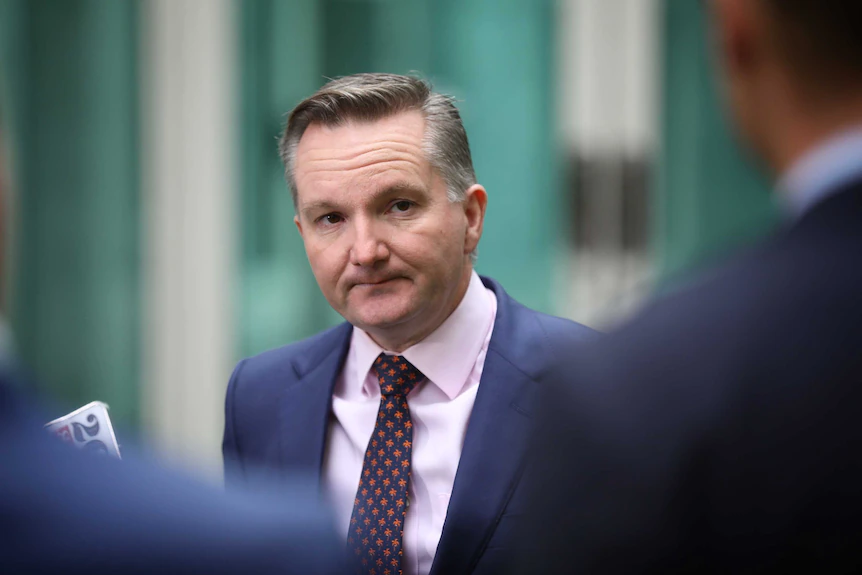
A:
451	358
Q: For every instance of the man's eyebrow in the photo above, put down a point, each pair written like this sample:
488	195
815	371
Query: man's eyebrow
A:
400	187
321	205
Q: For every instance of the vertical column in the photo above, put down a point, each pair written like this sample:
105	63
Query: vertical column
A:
189	183
609	112
710	197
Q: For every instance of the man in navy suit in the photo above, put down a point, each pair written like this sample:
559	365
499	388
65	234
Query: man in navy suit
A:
414	413
721	430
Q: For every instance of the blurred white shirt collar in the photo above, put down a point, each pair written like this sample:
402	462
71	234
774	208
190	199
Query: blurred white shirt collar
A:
822	172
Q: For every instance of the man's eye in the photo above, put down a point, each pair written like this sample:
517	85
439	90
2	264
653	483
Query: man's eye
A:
402	206
330	219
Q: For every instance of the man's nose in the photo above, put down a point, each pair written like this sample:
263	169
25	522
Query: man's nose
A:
369	246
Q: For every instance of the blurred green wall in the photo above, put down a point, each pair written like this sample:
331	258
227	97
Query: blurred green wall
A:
69	83
495	56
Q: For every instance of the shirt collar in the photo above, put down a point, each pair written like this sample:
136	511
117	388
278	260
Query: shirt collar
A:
448	355
822	171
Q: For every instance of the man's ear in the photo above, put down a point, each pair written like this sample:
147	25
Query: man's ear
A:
736	25
475	202
298	225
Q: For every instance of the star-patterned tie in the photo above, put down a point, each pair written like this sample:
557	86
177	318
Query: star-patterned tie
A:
377	522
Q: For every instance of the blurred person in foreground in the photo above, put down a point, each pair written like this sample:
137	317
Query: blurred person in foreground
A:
721	430
66	511
390	212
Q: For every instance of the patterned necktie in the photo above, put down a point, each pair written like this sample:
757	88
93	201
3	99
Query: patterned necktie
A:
377	523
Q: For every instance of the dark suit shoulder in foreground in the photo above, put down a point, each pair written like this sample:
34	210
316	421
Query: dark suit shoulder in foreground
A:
67	512
721	429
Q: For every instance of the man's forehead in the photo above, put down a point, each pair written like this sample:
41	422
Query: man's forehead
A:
371	181
330	156
403	127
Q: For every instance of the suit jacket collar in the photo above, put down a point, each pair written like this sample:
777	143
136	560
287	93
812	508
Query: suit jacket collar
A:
305	405
822	171
841	207
497	437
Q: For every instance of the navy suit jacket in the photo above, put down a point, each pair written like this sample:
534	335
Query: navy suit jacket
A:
720	431
278	411
65	511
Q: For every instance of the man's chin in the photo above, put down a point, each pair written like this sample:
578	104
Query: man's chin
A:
380	318
380	322
373	309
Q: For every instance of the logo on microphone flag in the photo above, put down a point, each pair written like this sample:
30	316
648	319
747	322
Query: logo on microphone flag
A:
88	428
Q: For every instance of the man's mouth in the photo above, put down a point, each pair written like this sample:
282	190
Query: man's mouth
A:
373	283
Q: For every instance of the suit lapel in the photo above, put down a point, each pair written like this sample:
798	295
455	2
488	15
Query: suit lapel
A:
306	404
494	449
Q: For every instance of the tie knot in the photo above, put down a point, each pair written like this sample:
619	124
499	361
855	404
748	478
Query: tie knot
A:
396	375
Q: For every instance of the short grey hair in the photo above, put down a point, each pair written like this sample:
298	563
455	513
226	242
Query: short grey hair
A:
371	97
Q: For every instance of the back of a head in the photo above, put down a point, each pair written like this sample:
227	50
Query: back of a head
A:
820	39
374	96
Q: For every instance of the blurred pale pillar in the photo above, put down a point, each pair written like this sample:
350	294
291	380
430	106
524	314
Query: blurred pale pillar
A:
610	81
609	75
188	85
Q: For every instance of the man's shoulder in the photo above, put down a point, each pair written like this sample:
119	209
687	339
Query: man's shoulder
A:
296	357
768	310
560	327
531	339
519	317
699	324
